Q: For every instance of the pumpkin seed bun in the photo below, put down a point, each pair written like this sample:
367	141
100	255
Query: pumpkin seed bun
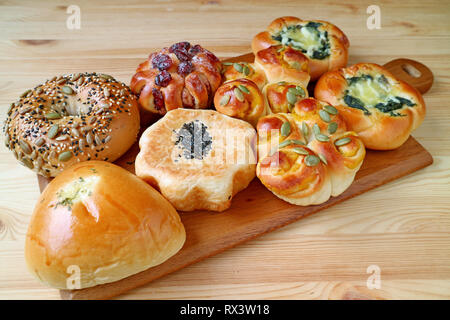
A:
71	118
308	155
382	109
324	44
102	220
286	64
281	96
244	70
241	98
272	84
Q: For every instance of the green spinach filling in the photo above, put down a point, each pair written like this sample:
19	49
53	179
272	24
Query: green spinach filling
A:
365	92
306	38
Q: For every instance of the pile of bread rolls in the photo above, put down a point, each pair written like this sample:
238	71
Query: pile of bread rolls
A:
111	223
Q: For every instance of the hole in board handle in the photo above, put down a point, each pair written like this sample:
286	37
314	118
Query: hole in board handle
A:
411	70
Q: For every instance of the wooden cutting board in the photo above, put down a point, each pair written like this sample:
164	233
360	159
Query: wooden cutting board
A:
256	210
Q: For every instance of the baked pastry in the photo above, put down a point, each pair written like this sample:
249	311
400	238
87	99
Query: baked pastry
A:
283	64
72	118
306	156
286	78
383	110
282	96
242	99
198	159
244	70
103	220
179	76
325	45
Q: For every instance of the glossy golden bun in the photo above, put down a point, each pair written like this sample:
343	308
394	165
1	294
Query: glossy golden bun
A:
319	63
302	159
242	99
198	159
282	96
364	86
72	118
104	220
286	64
176	77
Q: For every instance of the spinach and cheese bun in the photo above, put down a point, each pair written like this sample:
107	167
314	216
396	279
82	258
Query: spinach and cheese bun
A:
283	64
383	110
325	45
72	118
242	99
307	156
243	70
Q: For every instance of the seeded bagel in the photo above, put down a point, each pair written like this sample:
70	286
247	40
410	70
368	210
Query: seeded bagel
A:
71	118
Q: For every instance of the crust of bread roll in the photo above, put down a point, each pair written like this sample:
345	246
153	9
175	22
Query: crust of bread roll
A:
338	41
101	219
378	130
283	65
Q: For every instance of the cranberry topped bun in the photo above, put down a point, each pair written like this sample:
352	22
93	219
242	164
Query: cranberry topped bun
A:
180	76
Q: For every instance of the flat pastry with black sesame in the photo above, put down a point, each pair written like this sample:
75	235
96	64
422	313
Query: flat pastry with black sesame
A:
72	118
197	159
307	156
181	76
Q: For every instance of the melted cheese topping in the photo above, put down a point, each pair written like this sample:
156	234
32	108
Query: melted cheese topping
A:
371	92
306	38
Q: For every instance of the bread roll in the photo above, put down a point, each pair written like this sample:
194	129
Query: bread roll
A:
198	159
306	156
175	77
242	99
102	219
72	118
282	96
324	44
382	109
283	64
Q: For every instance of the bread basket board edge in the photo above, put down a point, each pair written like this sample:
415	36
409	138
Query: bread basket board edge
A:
254	212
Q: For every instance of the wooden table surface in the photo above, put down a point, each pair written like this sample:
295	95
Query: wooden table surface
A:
403	228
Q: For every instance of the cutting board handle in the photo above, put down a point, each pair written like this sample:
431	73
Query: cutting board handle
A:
412	72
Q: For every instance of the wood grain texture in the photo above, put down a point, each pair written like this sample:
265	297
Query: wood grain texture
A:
413	72
402	226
